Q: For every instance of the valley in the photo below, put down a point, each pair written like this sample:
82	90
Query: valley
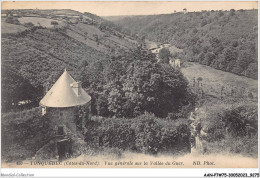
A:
224	40
141	107
212	80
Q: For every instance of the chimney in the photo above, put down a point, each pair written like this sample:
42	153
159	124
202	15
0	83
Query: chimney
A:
76	86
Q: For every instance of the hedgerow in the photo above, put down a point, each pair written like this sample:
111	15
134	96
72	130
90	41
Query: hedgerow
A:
145	133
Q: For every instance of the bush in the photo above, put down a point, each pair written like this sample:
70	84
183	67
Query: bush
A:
237	120
152	87
164	55
203	23
116	133
252	70
146	133
29	24
102	106
54	23
246	146
12	20
232	12
23	134
230	128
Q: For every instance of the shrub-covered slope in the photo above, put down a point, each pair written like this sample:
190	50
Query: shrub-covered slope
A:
23	134
34	53
39	56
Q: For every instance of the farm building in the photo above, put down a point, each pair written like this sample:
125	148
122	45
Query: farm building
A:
175	62
66	105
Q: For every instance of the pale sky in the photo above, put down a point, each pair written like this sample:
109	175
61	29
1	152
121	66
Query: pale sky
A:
115	8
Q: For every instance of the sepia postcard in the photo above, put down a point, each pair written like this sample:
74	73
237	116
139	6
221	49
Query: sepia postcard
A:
124	84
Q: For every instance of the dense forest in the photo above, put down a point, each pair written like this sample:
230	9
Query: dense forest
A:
224	40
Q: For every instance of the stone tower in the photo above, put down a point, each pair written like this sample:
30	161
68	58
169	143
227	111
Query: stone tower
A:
66	105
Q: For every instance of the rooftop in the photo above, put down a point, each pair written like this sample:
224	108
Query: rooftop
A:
66	92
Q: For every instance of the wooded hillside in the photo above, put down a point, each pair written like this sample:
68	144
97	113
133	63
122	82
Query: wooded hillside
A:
37	45
225	40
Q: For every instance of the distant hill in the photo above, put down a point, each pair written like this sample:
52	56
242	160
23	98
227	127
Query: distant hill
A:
38	44
116	18
225	40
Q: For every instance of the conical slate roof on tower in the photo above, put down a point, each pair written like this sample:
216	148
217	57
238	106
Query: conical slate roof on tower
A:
66	92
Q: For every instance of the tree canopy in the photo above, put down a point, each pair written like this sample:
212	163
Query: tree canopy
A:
224	40
164	55
54	23
134	84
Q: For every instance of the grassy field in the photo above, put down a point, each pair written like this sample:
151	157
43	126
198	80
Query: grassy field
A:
227	111
11	28
37	21
213	80
151	44
174	49
87	41
85	28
